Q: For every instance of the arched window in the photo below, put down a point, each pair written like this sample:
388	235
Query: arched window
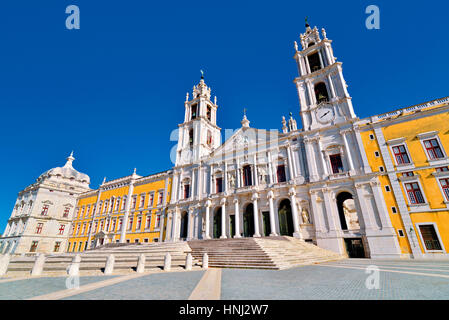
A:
321	93
209	138
314	62
194	110
247	179
191	137
209	113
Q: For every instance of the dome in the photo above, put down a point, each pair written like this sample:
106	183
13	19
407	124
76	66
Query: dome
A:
67	172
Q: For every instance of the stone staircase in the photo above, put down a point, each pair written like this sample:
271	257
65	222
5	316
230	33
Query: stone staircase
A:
274	253
93	261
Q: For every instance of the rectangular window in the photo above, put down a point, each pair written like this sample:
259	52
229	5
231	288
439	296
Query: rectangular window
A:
130	223
101	225
148	221
160	198
61	229
80	246
136	240
117	205
445	187
158	221
114	223
400	232
133	203
433	149
336	163
381	169
430	237
376	154
44	211
247	177
280	172
120	224
142	201
408	174
218	185
34	246
57	246
194	111
401	155
442	169
84	228
186	191
209	112
150	200
394	210
414	193
371	136
39	228
124	203
138	224
66	212
387	188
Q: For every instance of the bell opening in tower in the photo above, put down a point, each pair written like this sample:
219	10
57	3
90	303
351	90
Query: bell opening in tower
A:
314	62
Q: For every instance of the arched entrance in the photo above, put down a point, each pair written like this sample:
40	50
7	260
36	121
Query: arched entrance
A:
184	225
217	223
285	218
248	221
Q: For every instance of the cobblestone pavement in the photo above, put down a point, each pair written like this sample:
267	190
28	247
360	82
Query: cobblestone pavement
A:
342	280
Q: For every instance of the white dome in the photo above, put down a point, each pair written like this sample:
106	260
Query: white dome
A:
67	171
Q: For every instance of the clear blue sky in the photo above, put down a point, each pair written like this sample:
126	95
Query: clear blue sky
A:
114	90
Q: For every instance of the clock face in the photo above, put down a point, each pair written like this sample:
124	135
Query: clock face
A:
325	114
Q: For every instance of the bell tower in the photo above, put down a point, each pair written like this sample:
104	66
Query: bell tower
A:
322	90
199	134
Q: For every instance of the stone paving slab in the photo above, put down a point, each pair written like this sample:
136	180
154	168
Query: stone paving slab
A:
32	287
328	283
158	286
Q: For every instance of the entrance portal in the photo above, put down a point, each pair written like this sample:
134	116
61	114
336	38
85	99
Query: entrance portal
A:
285	218
354	248
217	224
248	221
266	223
184	224
231	226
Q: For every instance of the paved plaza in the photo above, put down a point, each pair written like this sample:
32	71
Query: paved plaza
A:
347	279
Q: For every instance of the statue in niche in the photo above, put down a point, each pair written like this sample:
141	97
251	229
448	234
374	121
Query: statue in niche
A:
262	174
232	180
351	217
305	215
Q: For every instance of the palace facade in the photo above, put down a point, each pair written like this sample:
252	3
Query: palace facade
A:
376	187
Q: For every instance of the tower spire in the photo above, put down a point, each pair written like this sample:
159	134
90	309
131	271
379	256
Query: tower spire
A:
70	159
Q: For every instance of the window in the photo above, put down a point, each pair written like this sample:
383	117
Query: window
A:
117	205
142	201
145	240
376	154
218	185
66	212
186	191
314	62
69	246
158	221
336	163
133	203
39	228
280	172
34	246
394	210
80	246
101	224
95	226
408	174
84	228
400	154
414	193
429	237
381	169
136	240
445	187
387	188
114	223
209	113
247	179
44	211
120	224
105	207
160	198
442	169
138	223
90	227
150	199
191	138
400	232
371	136
209	138
57	246
194	111
130	223
148	221
111	207
321	94
124	202
61	229
73	229
107	225
433	149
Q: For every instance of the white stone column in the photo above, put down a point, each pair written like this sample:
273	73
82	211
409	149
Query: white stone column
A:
348	150
237	172
175	187
190	223
207	220
290	163
331	86
223	219
255	197
225	178
323	159
270	168
127	209
272	220
237	218
200	183
256	178
192	185
292	194
211	182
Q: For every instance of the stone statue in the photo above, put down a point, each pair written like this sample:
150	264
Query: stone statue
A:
232	180
351	217
262	174
305	216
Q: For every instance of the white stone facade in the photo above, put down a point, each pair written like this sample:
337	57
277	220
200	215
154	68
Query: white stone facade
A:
43	212
314	183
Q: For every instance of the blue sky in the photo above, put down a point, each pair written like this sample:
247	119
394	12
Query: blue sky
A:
114	90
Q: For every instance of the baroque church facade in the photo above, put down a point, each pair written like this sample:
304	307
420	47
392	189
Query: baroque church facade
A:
314	183
375	187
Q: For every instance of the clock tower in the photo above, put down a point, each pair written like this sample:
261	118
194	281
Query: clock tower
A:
322	90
